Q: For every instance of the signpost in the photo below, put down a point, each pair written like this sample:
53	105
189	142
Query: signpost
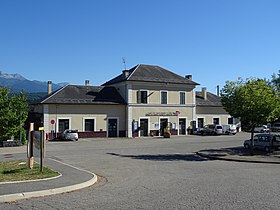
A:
35	146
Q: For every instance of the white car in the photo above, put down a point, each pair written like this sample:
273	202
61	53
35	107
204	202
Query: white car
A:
261	129
70	135
229	129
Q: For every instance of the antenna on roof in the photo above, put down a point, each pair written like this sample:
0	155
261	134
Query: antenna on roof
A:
124	62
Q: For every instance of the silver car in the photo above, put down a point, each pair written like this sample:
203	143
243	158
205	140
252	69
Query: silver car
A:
266	142
70	135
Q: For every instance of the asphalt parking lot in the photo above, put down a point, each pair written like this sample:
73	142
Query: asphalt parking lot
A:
157	173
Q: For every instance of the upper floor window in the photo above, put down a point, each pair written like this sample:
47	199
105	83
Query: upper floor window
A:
142	96
182	98
163	97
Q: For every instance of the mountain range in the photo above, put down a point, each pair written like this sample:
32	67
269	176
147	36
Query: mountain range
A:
17	83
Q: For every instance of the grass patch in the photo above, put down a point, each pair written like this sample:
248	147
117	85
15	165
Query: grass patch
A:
18	171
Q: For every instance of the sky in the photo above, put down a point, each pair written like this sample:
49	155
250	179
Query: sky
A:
77	40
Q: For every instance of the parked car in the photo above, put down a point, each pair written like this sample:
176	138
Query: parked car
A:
210	129
229	129
70	135
262	129
266	142
275	127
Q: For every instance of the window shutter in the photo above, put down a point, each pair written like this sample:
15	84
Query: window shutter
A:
138	97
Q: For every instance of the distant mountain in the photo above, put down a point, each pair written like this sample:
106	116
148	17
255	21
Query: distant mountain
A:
17	83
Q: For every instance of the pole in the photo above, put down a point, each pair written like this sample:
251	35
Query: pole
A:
41	151
30	160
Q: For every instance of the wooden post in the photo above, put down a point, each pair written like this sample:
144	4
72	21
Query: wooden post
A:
30	158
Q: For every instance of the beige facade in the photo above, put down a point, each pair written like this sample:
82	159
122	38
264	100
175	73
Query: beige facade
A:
149	116
146	105
77	115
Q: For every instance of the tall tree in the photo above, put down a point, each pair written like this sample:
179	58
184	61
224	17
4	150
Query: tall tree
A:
275	81
13	113
254	101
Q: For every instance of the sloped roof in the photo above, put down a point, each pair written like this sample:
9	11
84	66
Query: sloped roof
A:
79	94
212	99
151	73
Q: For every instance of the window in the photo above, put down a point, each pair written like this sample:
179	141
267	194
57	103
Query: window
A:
216	121
163	97
89	124
182	98
230	121
200	122
63	124
142	96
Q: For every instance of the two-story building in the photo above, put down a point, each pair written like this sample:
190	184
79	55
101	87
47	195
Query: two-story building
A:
141	101
156	98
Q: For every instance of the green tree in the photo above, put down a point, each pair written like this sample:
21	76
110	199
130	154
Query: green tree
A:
275	81
254	101
13	114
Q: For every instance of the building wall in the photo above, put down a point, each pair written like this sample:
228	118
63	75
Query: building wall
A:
209	113
77	113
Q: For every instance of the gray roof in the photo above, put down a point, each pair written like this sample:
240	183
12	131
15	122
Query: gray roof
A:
80	94
151	73
212	99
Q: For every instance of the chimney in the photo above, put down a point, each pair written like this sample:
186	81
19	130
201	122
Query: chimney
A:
204	93
189	76
218	90
125	74
87	82
49	87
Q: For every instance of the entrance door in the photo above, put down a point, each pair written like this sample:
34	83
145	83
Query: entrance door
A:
112	127
163	124
144	127
182	126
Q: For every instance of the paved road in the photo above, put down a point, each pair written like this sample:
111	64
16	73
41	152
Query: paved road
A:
156	173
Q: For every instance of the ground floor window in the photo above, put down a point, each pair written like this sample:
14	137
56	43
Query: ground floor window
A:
216	121
182	126
89	124
200	122
230	121
63	124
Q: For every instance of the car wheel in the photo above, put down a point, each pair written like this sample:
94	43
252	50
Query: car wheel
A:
267	149
246	146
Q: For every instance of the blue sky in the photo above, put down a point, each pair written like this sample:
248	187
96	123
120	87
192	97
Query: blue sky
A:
74	40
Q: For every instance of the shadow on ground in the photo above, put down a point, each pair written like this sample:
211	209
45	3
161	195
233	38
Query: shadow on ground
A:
164	157
239	151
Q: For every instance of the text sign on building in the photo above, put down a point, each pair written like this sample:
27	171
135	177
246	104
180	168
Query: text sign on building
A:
162	114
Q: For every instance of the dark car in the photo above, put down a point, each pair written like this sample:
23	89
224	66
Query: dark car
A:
266	142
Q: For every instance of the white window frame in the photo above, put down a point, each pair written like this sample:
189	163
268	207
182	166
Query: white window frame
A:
218	118
63	118
89	118
180	97
164	91
118	125
144	118
147	96
204	122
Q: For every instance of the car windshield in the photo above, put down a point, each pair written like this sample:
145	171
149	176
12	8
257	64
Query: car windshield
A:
71	131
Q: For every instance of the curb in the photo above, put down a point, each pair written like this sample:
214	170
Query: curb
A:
236	160
41	193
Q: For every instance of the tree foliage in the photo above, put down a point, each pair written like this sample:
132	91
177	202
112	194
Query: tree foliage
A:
275	82
13	114
254	101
